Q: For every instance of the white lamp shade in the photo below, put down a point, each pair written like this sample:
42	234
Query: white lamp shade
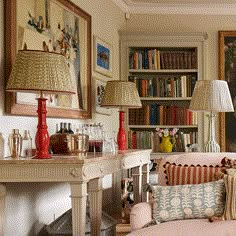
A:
39	71
121	94
212	96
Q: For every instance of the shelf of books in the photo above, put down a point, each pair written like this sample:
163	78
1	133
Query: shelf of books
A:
165	71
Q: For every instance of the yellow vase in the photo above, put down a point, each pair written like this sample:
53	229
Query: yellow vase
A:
166	145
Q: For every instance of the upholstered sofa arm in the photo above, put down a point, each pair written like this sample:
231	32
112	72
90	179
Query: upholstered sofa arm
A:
141	214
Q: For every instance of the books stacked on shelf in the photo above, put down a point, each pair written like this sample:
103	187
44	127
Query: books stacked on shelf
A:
154	114
169	86
140	139
144	59
150	140
155	59
178	59
183	140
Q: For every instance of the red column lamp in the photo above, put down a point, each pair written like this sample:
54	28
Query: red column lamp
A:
41	72
121	94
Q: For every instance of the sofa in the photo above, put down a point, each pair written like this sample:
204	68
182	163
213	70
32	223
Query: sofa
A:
141	216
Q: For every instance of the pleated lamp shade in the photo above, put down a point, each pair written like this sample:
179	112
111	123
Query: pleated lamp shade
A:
39	71
211	95
121	94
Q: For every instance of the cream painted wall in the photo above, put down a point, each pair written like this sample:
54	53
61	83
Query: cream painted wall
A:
29	206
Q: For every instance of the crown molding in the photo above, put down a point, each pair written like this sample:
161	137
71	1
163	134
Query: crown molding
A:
122	5
190	8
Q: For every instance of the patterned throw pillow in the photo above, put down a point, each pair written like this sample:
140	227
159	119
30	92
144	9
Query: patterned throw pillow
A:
178	174
188	201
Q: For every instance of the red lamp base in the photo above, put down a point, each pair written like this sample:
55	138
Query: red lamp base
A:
42	138
121	136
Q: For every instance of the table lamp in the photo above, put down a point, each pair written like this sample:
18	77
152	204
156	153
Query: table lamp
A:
121	94
212	96
40	72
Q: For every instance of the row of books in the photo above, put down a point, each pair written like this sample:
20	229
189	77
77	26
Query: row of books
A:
140	139
184	140
154	114
151	140
154	59
179	86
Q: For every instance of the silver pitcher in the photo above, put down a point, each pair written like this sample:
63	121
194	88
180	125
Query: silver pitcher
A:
15	143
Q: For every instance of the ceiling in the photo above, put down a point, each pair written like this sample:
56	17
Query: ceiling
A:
210	7
212	2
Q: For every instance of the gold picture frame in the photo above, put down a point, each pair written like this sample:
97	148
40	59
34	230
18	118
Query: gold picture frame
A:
50	25
227	66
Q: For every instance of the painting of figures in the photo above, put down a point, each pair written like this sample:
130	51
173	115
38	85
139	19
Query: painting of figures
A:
61	27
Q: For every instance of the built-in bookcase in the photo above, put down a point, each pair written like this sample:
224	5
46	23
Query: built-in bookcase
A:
165	69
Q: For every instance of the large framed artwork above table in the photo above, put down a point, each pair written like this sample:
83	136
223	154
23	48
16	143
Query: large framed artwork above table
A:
84	176
55	26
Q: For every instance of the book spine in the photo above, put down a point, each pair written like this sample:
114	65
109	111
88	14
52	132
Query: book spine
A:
146	59
153	114
134	140
162	60
193	82
136	60
150	59
146	114
158	59
140	59
154	59
150	88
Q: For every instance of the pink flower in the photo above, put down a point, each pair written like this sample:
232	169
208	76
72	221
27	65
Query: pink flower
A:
166	132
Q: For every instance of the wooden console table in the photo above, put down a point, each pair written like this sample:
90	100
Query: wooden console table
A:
78	172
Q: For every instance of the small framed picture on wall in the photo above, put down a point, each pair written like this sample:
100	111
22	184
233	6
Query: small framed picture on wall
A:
102	57
100	86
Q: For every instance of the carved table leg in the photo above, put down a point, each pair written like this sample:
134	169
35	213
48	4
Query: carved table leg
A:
145	180
95	203
78	201
116	193
137	180
2	208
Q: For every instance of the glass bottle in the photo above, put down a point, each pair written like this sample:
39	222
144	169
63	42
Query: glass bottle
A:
26	144
61	128
70	131
65	130
15	143
57	130
2	141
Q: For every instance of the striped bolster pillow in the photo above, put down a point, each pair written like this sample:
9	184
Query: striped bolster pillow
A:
180	175
230	206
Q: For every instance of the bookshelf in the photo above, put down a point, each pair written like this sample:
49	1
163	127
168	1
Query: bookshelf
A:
165	68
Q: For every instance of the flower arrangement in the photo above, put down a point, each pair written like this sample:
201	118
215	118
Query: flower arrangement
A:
166	132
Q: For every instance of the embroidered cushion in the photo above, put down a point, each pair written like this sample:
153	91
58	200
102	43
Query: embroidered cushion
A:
178	174
188	201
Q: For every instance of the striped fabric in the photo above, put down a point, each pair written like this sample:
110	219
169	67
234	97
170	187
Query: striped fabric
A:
230	205
179	175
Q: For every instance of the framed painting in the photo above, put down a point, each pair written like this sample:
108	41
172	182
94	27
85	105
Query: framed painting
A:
102	57
51	25
100	86
227	71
